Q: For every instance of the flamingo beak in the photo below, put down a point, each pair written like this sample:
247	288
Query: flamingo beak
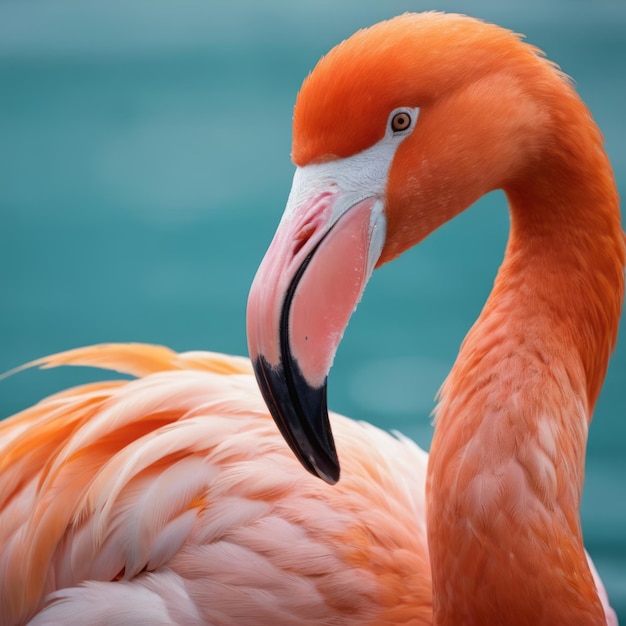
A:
306	288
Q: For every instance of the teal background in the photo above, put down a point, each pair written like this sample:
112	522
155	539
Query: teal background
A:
144	164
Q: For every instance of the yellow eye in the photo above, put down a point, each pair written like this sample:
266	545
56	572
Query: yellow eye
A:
400	121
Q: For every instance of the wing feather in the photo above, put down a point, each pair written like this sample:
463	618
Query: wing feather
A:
118	490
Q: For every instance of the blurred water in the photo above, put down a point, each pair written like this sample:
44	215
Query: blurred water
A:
144	163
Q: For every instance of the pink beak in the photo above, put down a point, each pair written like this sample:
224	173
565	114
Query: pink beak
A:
302	297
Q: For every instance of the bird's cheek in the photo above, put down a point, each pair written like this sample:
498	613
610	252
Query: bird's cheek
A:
410	217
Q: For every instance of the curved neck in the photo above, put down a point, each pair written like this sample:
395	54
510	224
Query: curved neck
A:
507	460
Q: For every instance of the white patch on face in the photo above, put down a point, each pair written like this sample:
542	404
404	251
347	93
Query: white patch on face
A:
352	180
357	177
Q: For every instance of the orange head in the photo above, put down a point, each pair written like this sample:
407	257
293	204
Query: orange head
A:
396	130
482	113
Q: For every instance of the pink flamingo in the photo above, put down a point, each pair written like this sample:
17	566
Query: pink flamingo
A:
171	499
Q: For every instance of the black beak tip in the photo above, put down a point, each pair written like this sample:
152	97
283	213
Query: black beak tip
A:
301	414
329	471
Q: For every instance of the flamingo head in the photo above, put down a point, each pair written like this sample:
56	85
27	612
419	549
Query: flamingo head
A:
396	130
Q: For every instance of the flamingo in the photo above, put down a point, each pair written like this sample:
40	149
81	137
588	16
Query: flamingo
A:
172	499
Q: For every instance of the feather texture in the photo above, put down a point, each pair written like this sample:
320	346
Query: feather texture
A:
172	499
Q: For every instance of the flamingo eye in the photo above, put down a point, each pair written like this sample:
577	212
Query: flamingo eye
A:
400	121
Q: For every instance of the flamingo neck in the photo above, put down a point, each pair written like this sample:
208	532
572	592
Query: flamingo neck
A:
507	460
